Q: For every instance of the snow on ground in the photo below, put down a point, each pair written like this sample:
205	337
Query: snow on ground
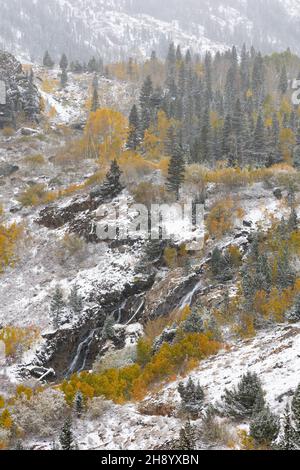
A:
273	355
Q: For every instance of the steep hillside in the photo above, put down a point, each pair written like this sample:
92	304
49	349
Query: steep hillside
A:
120	28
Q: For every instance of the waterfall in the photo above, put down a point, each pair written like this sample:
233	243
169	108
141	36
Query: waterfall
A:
188	299
136	312
120	309
81	354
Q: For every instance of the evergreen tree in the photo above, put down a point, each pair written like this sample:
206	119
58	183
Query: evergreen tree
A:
64	78
95	97
63	62
287	441
75	301
296	413
187	438
66	437
112	185
93	66
264	428
47	61
133	139
283	81
171	66
259	142
245	70
220	266
247	399
293	315
145	104
57	307
19	446
176	171
194	323
31	101
208	76
78	404
258	79
192	397
285	273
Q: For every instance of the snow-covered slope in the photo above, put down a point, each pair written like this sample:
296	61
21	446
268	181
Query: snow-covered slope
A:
118	28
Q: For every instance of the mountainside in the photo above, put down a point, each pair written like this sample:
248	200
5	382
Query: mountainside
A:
119	28
149	227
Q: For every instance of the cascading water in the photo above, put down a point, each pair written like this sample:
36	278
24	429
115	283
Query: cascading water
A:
136	312
79	361
188	299
120	310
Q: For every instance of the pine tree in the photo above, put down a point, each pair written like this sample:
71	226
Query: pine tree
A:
264	428
64	78
47	61
247	399
145	104
245	70
293	315
194	323
187	438
19	446
192	397
75	301
288	439
259	142
112	185
208	76
31	101
176	172
220	266
66	437
283	81
63	62
92	65
95	97
57	306
285	273
171	66
296	412
78	404
258	79
133	139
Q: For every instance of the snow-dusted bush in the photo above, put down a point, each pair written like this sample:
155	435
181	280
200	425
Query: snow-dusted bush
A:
264	428
42	414
246	400
97	407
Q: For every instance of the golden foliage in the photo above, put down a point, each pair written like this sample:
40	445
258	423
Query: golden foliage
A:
49	85
134	166
18	339
36	195
133	382
147	193
105	135
9	236
6	421
170	257
221	217
246	441
8	131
